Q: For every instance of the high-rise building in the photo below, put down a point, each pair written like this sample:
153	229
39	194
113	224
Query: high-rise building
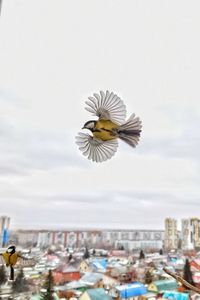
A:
190	233
171	234
129	239
4	227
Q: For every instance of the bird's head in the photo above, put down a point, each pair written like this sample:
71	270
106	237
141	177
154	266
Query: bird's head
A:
11	249
90	125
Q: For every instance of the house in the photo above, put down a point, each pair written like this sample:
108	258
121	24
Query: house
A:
95	294
175	295
116	271
97	280
128	291
94	280
98	265
80	265
195	265
118	253
108	281
162	285
64	274
76	285
89	280
70	290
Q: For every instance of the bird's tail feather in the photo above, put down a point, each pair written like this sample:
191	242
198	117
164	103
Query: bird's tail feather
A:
129	132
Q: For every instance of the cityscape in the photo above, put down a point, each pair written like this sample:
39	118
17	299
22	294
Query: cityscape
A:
110	264
188	238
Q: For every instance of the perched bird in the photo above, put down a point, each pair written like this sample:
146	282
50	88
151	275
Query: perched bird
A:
102	142
10	258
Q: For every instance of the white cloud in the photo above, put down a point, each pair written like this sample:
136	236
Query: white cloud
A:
52	58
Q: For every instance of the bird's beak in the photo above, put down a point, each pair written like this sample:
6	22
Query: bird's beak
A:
83	127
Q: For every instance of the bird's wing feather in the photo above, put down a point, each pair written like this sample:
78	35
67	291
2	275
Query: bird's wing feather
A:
5	257
24	261
107	106
95	149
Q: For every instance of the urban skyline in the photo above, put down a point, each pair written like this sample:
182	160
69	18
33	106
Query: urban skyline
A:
102	227
188	238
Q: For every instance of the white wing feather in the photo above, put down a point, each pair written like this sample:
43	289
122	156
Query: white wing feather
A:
95	149
107	106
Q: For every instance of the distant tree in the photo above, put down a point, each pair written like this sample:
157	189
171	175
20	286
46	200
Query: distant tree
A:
48	286
70	257
187	274
3	277
142	256
20	284
86	254
148	277
121	247
161	251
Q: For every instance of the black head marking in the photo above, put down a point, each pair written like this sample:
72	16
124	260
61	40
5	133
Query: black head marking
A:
90	125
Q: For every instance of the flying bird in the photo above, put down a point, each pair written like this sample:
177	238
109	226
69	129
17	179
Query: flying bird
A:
111	125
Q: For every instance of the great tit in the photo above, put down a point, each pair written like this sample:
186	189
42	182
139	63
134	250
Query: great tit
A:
102	142
10	258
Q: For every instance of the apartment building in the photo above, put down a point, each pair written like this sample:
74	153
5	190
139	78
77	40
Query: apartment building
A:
171	234
190	233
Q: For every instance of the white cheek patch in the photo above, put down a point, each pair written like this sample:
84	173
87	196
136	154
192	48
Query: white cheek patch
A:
91	125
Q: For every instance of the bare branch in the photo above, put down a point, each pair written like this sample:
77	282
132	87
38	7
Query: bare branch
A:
183	281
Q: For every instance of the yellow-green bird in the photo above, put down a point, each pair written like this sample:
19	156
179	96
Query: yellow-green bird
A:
10	258
111	124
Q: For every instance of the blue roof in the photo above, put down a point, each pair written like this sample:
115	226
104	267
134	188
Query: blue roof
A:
103	262
98	266
175	295
131	290
100	263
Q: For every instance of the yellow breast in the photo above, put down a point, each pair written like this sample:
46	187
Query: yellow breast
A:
105	127
10	259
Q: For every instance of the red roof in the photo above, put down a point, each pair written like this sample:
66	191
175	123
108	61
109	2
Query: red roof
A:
60	277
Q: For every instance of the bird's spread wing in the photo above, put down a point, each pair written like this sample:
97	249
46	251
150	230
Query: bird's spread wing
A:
24	261
107	106
95	149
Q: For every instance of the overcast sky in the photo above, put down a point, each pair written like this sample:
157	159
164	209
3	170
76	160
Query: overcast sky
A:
53	55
